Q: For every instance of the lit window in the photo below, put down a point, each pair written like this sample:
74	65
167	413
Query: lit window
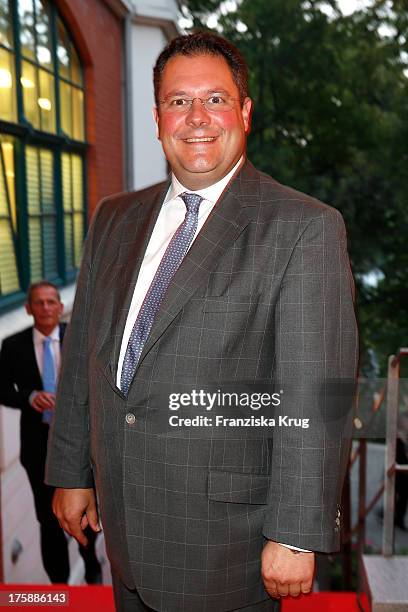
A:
42	226
72	193
71	86
8	107
9	281
42	191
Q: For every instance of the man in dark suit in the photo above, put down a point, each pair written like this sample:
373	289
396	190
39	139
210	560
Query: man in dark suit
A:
22	376
219	274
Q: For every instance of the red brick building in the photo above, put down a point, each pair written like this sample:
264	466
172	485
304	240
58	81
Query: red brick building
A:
97	31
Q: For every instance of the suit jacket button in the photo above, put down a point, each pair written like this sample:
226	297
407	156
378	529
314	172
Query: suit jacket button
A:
130	418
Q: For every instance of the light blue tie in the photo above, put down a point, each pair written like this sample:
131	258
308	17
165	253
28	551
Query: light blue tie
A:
48	376
168	266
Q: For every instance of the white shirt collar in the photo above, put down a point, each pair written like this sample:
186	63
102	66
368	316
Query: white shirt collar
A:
39	338
211	193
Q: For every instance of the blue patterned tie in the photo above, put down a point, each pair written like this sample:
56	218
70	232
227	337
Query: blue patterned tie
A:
48	376
168	266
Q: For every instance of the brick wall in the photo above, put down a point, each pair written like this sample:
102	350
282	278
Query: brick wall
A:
98	35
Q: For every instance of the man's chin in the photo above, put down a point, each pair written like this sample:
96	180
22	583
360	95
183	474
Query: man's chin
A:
200	166
199	177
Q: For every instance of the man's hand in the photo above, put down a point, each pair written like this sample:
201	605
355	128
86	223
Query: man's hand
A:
75	509
286	573
43	400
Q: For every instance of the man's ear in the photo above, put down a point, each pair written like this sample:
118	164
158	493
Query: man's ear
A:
247	113
28	308
156	120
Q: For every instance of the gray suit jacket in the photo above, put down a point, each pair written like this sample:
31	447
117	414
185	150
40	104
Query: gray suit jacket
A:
264	294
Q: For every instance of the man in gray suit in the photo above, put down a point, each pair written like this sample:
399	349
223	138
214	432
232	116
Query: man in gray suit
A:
219	274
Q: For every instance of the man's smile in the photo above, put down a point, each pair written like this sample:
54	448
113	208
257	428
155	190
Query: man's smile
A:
200	139
208	139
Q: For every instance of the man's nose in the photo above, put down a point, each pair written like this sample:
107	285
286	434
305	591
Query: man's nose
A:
197	113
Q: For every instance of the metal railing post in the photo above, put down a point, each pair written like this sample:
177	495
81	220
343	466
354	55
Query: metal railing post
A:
390	450
362	488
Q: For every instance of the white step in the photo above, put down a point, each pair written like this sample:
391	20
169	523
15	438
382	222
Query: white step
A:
384	581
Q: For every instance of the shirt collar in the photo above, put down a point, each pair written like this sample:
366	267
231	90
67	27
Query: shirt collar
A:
211	193
39	338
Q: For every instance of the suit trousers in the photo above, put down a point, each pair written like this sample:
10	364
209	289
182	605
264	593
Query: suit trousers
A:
54	544
130	601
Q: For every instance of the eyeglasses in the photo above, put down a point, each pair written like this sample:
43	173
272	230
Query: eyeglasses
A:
213	104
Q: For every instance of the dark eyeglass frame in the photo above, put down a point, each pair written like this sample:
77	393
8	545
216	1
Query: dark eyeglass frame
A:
185	108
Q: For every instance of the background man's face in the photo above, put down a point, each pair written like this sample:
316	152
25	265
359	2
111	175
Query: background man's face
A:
46	308
200	164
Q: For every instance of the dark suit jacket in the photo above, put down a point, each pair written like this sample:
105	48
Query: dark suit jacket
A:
19	377
264	294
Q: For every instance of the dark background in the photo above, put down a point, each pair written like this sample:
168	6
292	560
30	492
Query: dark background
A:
331	119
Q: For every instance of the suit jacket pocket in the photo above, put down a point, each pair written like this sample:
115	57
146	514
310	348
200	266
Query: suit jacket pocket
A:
232	303
238	488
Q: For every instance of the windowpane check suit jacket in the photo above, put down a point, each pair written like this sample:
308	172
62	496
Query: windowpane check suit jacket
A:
264	294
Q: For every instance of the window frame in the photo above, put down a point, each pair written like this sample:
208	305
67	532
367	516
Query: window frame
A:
57	143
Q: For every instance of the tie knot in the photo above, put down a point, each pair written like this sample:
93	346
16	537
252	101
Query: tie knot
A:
47	340
191	200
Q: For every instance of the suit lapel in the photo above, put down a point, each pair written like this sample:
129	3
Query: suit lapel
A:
226	222
62	330
29	349
138	225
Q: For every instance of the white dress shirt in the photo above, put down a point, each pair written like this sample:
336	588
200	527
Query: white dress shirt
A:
171	215
38	339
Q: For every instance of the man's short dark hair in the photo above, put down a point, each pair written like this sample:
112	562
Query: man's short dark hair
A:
38	285
203	43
